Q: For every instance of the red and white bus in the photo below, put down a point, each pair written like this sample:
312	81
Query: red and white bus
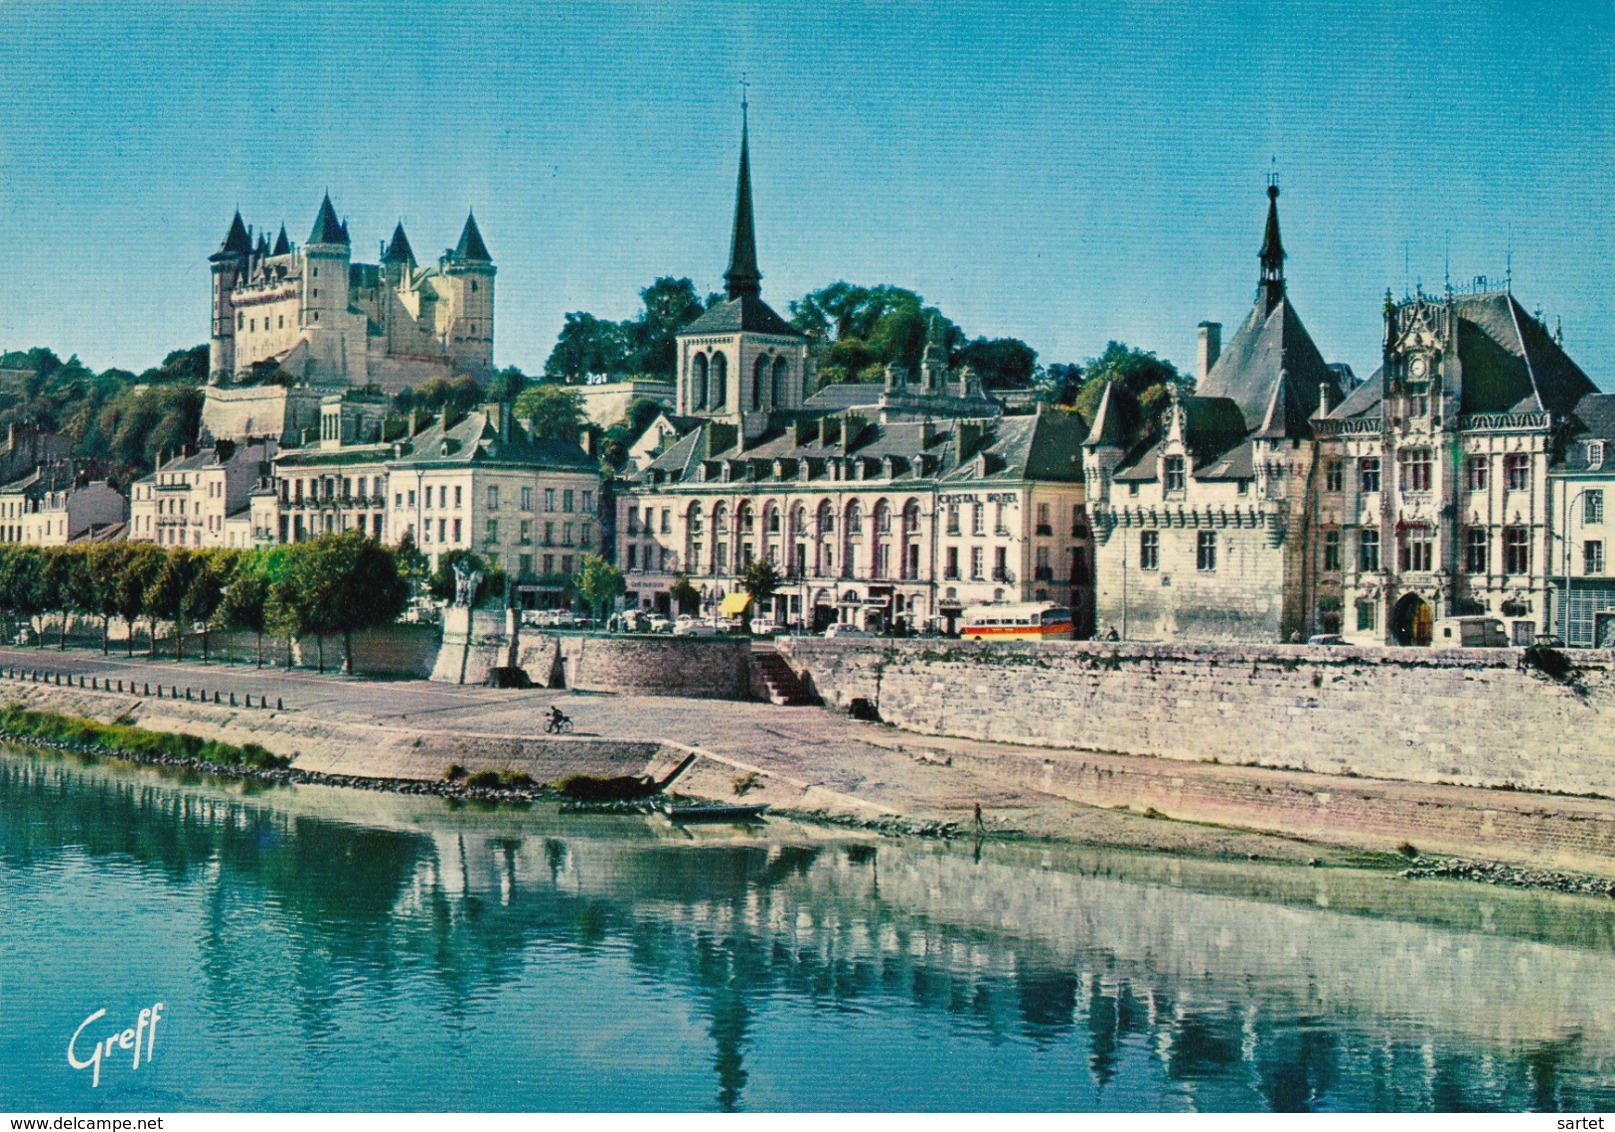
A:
1018	621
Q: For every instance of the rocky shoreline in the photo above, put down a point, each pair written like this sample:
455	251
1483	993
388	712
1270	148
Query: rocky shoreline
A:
1511	876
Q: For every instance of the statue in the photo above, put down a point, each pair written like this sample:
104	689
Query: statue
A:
467	582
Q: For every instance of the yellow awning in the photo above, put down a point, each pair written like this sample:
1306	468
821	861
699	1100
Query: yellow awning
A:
734	605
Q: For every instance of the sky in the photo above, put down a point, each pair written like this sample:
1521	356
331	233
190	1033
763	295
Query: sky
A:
1066	174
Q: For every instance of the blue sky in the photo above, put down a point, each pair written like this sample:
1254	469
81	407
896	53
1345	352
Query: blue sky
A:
1065	173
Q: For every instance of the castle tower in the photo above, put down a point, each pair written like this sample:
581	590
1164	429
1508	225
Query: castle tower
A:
229	268
740	360
326	258
466	327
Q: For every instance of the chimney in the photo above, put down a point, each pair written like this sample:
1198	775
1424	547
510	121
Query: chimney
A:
1210	349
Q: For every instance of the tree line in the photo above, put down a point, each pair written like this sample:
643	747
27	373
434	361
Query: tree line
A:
333	585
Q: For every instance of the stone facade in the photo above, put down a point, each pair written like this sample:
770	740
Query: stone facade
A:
51	507
189	498
1581	485
314	313
1373	712
1434	502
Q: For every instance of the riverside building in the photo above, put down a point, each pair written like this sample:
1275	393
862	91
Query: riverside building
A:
879	506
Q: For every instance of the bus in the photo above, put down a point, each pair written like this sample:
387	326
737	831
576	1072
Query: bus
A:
1018	621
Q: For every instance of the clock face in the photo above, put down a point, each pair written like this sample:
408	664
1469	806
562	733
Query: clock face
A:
1419	367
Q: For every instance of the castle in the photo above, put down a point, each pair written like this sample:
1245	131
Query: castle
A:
326	321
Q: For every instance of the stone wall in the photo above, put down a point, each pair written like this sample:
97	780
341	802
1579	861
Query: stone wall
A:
474	642
1475	717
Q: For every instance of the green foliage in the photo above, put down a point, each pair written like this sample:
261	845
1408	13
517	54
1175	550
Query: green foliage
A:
1147	378
456	395
555	410
644	344
761	580
620	437
121	739
598	583
860	330
1001	363
686	598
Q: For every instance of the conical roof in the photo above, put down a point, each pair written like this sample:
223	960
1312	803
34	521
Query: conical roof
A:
283	246
742	276
1272	253
470	246
398	250
327	228
236	241
1109	430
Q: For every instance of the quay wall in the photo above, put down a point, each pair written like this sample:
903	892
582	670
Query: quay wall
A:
1475	717
475	642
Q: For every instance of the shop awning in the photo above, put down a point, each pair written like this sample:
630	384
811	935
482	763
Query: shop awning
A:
734	605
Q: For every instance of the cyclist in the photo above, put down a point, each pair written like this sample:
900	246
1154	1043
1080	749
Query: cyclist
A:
557	718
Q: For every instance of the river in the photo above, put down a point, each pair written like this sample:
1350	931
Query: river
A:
320	949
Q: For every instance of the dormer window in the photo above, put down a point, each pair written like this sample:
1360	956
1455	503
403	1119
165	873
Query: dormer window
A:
1595	454
1173	473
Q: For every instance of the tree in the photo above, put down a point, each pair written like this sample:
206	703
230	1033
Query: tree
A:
1147	380
1001	363
21	589
599	583
246	595
620	437
99	569
507	384
1060	384
137	570
761	580
670	305
555	410
686	598
588	345
165	596
58	566
210	570
341	583
412	564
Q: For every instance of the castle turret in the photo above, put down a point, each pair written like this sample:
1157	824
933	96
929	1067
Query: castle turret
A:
468	271
1272	253
229	267
326	258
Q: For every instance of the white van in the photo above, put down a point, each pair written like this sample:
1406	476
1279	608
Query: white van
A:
1469	633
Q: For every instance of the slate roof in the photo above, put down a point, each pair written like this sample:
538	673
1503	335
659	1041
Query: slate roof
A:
475	440
843	395
1266	345
1213	427
1510	361
42	480
236	241
470	248
746	313
1109	429
742	276
399	251
327	229
1044	445
283	246
1593	418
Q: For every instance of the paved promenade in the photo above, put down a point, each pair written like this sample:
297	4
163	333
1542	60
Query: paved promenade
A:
808	757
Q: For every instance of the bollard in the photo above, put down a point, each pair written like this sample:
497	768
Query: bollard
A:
58	679
147	692
232	699
187	692
280	704
95	683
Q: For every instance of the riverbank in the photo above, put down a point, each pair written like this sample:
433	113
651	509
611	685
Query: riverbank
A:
821	764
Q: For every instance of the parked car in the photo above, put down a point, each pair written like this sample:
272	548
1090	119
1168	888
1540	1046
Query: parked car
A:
1470	633
656	623
690	627
1326	639
839	630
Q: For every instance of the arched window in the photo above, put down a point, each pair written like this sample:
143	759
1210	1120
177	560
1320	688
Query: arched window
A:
747	517
759	374
698	382
694	518
911	517
827	518
771	524
782	373
720	382
799	520
855	518
883	517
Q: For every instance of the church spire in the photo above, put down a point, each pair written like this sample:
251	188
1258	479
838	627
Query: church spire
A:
1272	254
742	277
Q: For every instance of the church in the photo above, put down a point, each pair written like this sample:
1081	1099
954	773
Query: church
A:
326	320
881	506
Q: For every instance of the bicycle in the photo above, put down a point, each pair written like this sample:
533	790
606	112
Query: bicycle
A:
560	726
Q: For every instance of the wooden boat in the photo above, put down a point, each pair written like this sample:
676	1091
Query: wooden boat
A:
714	813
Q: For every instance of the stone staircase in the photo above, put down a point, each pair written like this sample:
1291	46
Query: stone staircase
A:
779	678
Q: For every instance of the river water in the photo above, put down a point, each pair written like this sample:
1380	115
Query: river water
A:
319	949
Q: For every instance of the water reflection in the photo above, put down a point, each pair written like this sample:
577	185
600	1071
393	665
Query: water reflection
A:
348	951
